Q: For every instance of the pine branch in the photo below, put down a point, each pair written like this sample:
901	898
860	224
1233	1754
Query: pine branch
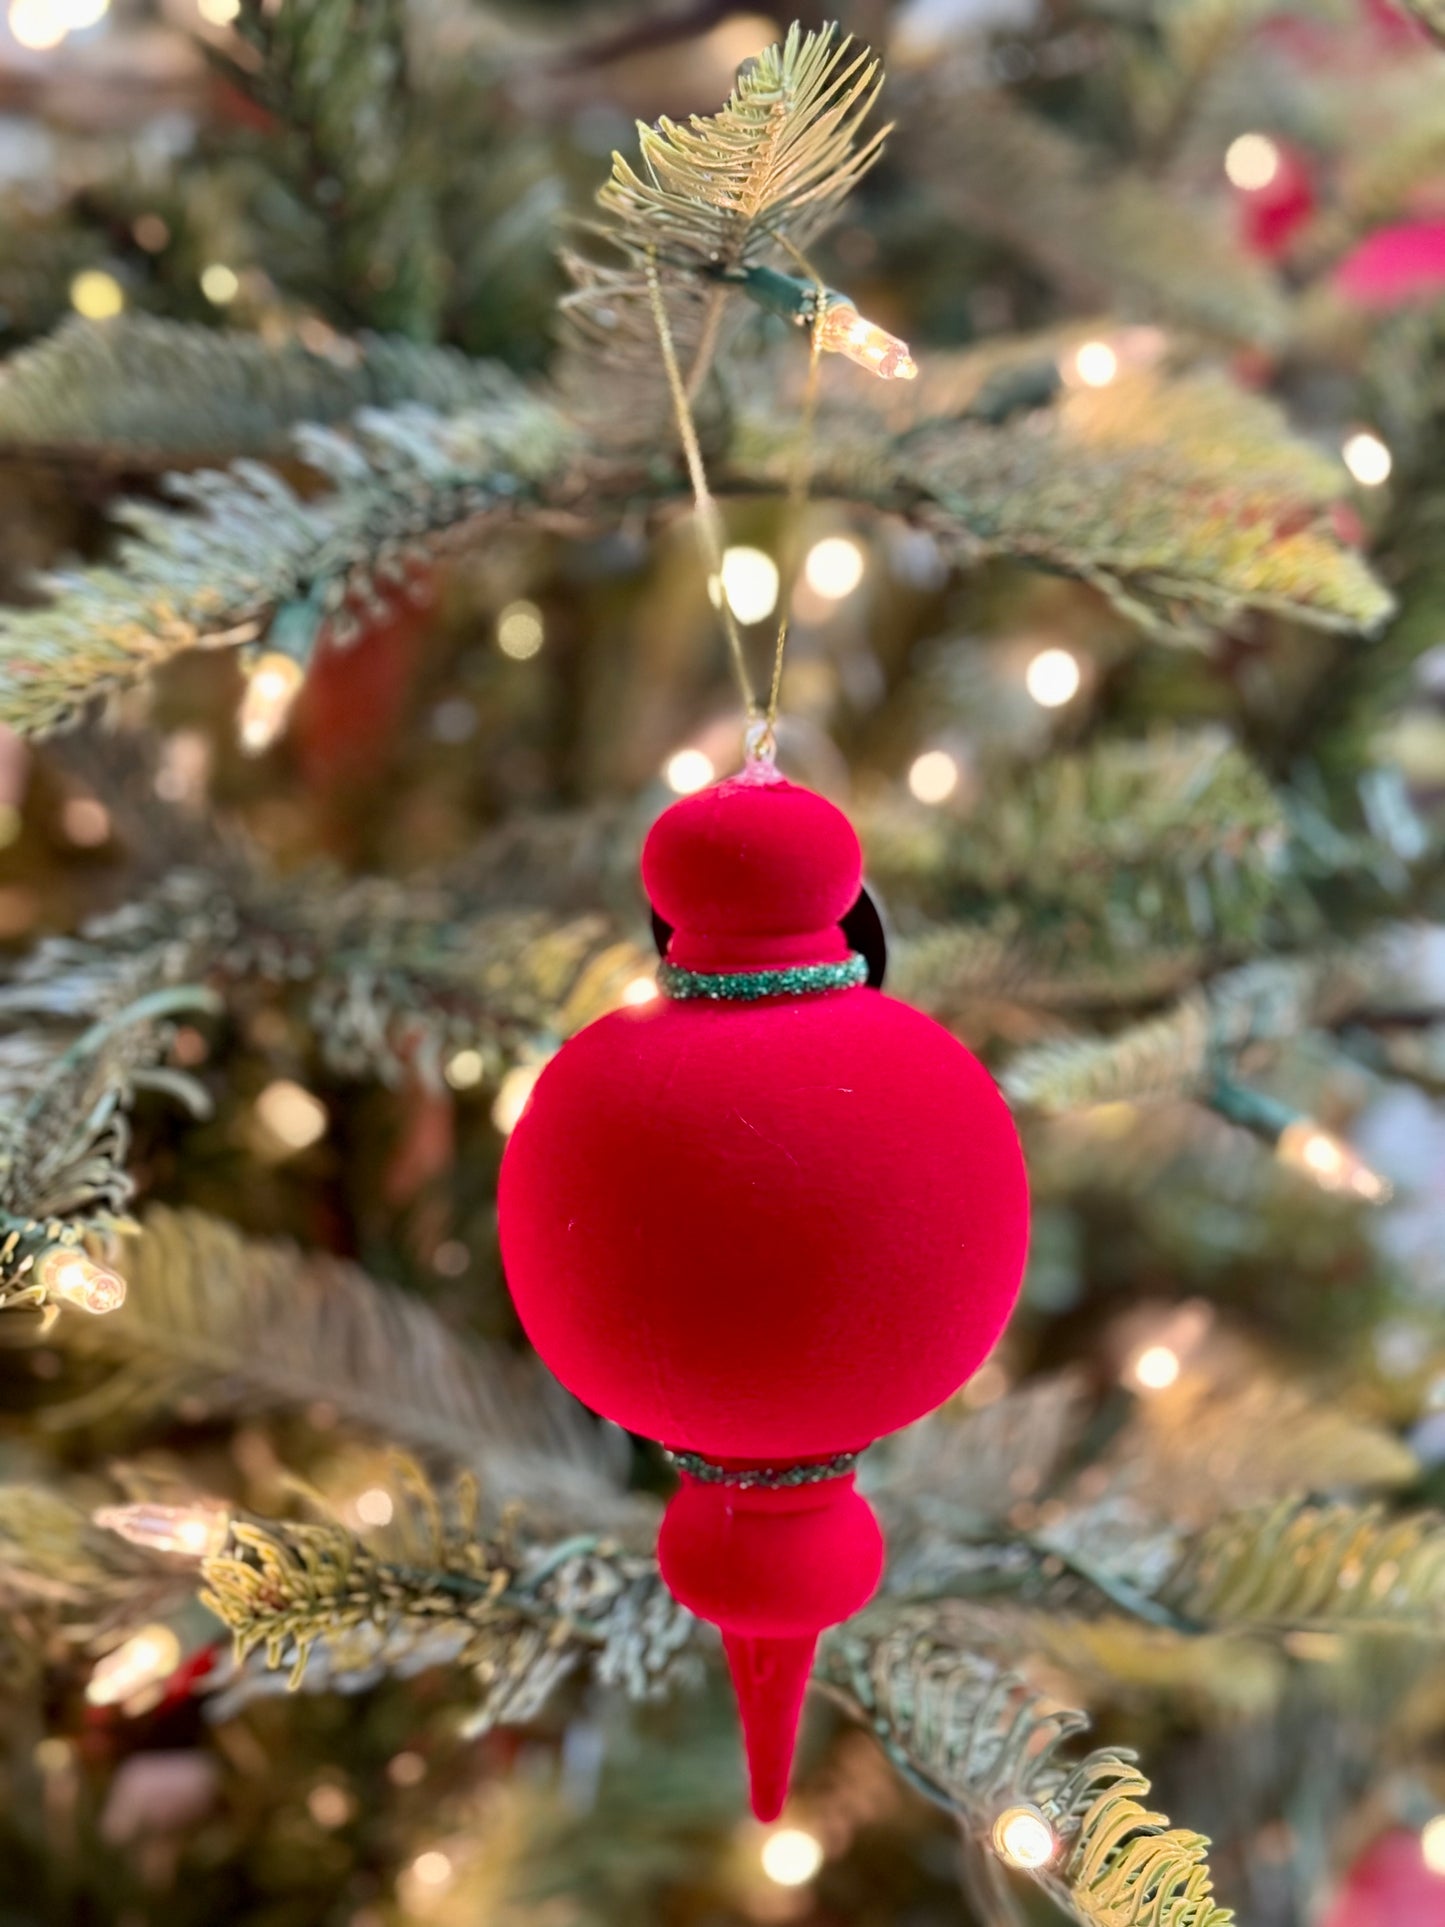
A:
138	390
975	1738
350	145
214	568
1118	241
1186	1050
1339	1567
1126	847
1183	499
715	202
520	1617
778	161
241	1325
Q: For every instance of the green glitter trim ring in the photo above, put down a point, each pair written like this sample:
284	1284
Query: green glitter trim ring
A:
750	986
768	1478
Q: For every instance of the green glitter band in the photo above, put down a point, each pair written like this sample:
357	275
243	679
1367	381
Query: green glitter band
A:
749	986
769	1478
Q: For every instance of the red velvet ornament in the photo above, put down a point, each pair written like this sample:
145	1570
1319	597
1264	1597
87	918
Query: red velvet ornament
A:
1389	1886
763	1233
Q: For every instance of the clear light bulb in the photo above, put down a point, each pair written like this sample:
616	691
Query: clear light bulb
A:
68	1274
145	1659
845	332
195	1531
1023	1837
271	689
1307	1146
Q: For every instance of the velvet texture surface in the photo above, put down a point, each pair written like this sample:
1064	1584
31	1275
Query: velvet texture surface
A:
765	1233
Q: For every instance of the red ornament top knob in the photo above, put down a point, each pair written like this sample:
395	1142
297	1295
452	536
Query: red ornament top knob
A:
753	872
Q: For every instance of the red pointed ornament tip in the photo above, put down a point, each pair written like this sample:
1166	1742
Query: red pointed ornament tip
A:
772	1567
764	1232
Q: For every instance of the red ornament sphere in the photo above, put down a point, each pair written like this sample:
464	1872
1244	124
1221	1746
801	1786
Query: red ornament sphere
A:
763	1232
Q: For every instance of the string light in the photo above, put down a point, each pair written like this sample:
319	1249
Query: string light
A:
37	25
406	1769
80	14
1306	1146
374	1506
1367	459
465	1071
834	567
329	1805
750	583
1432	1843
1023	1837
519	630
432	1869
791	1856
1251	162
845	332
271	689
85	822
292	1116
145	1659
1053	678
933	776
511	1099
194	1531
218	13
688	770
1155	1369
68	1274
220	284
1096	364
93	293
642	990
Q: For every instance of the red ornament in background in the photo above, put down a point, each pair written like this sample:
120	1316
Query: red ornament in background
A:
763	1230
1395	266
1271	214
1390	1885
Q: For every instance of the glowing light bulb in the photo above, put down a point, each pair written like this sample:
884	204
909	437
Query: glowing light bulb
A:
271	690
406	1769
834	567
1053	678
466	1070
195	1531
220	284
750	583
69	1275
330	1806
37	25
290	1115
519	630
1432	1843
512	1095
791	1857
642	990
432	1869
688	770
1023	1837
1155	1369
374	1507
145	1659
845	332
94	293
933	776
1305	1146
1367	459
80	14
1096	364
218	13
1251	162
